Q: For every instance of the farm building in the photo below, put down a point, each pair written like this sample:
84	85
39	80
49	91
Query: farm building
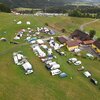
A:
80	35
71	45
62	39
88	42
96	46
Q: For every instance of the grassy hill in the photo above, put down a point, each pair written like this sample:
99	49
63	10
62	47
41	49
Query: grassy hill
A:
15	85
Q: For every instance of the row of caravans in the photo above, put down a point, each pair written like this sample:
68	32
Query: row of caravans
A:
48	56
52	66
21	60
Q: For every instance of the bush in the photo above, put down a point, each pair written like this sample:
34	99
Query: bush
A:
98	59
63	30
46	24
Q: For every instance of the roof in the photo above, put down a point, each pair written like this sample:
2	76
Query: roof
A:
97	44
72	43
80	35
87	74
27	66
88	42
79	41
62	39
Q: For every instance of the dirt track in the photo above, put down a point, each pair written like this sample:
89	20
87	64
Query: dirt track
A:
85	24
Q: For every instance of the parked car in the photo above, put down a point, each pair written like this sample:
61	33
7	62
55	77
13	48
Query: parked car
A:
94	81
55	72
60	52
77	63
72	60
87	74
81	68
63	75
13	42
89	55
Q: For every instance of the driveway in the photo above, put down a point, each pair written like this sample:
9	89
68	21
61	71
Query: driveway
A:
89	50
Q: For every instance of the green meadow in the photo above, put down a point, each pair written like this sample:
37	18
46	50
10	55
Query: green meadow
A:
94	26
41	85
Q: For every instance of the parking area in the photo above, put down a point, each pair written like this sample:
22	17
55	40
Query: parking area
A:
89	49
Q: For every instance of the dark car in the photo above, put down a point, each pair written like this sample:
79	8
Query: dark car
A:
94	81
60	52
12	42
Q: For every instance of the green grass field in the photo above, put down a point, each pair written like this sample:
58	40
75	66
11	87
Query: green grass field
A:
94	26
15	85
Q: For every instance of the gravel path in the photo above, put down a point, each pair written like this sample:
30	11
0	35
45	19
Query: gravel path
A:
85	24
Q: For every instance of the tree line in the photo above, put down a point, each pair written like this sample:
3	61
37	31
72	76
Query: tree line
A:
4	8
76	11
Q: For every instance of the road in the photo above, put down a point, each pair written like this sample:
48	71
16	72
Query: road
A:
85	24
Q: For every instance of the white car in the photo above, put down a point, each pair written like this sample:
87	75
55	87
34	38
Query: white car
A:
72	60
89	55
77	63
87	74
55	72
29	72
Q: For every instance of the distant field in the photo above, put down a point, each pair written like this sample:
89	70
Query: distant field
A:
40	85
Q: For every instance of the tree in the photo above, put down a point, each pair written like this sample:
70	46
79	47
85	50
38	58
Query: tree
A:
75	13
98	39
92	33
63	30
4	8
98	15
46	24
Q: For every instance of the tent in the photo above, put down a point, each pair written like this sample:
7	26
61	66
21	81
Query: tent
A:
28	23
20	22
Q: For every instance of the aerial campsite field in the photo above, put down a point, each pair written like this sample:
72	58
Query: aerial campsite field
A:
41	85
